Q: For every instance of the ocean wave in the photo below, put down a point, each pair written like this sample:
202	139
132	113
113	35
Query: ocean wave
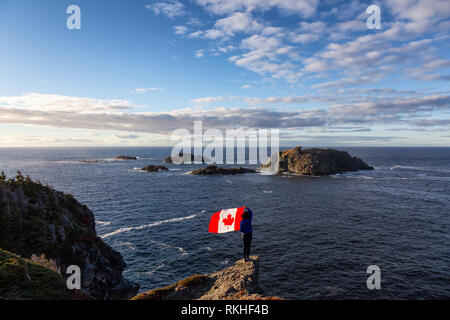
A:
417	168
267	191
129	245
353	176
168	246
160	266
154	224
103	223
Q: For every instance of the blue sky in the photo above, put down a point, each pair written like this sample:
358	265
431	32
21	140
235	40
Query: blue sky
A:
137	70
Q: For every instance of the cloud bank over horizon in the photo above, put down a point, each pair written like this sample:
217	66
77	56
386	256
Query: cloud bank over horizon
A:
307	67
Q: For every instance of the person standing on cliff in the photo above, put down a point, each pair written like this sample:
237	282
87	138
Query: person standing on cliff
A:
247	232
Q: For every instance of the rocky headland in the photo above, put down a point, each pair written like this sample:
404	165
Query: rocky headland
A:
36	220
317	162
237	282
213	169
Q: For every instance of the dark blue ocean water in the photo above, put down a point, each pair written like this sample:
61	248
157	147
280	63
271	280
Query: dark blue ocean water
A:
315	236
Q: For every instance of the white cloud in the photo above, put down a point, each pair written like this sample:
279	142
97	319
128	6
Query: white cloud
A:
50	102
145	90
180	30
237	22
389	110
305	8
199	53
171	8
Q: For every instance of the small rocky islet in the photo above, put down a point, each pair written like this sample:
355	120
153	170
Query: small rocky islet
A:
317	162
213	170
154	168
125	158
186	158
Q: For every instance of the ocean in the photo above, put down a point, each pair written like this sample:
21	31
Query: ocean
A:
316	237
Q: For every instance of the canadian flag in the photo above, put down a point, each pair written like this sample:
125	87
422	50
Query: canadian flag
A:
226	220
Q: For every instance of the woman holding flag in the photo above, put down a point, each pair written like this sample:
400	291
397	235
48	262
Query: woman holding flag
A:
237	219
247	232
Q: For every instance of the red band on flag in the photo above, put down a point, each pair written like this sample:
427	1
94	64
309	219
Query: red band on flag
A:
214	223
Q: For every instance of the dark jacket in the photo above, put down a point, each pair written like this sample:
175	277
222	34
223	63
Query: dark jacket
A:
246	224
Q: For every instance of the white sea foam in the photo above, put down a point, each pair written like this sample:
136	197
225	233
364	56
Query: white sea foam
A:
266	173
267	191
417	168
103	223
168	246
144	226
129	245
160	266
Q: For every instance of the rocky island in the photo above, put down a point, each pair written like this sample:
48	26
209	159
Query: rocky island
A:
122	158
36	220
317	162
186	158
213	169
153	168
237	282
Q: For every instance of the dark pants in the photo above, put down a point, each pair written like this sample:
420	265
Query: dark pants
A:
247	241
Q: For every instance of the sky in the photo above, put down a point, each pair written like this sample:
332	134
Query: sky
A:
136	71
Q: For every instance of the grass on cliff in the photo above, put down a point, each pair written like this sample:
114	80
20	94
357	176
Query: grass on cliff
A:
22	279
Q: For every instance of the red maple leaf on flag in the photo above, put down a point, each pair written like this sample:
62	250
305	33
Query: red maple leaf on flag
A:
228	221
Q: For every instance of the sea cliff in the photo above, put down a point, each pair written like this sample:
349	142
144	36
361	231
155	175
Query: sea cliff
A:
36	219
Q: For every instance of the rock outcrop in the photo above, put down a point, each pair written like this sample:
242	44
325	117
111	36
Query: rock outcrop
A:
153	168
186	158
238	282
213	169
125	158
35	219
317	162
